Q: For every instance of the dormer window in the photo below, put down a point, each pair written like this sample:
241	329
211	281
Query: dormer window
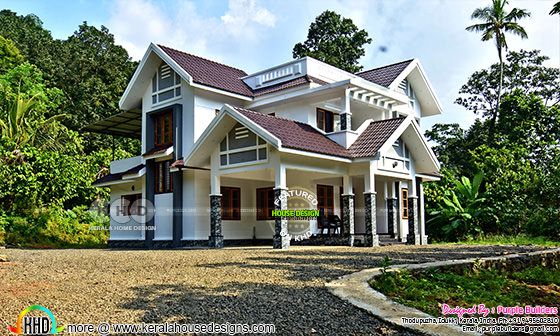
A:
327	121
166	84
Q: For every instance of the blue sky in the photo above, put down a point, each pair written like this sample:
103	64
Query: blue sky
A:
255	34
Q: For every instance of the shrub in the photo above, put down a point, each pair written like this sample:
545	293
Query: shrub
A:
56	227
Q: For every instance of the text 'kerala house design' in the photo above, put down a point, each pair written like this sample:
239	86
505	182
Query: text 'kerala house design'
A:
220	147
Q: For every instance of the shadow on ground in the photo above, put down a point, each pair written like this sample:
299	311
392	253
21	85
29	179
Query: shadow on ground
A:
297	305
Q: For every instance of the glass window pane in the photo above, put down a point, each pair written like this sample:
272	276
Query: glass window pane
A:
223	159
262	154
240	157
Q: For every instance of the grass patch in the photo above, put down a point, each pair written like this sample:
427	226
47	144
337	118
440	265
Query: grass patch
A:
428	289
508	240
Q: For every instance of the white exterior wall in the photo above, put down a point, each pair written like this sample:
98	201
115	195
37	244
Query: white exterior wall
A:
117	220
163	219
295	111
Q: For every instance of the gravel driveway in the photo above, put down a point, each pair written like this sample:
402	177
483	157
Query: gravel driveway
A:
236	285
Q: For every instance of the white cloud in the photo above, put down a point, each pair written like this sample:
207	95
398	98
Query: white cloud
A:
136	23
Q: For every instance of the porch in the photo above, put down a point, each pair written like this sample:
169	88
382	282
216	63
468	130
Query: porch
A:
366	205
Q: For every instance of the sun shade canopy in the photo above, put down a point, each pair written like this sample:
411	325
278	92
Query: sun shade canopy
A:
126	124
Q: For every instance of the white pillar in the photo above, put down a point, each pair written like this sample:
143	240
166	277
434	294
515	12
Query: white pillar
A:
215	173
423	235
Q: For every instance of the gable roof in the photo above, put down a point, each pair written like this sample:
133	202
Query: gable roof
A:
386	74
374	136
296	135
210	73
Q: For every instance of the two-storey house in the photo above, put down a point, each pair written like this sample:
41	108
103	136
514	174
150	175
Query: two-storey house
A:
220	147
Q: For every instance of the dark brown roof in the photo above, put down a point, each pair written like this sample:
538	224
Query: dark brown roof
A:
181	165
385	75
295	134
118	176
157	150
289	84
374	136
210	73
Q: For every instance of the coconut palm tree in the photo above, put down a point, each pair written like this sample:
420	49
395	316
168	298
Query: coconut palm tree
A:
496	22
555	9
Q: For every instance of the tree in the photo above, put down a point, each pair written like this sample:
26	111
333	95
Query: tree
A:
496	21
33	41
523	70
555	9
9	55
334	40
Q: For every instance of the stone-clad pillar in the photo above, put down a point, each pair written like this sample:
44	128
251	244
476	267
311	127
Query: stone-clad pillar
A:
392	217
345	121
413	237
371	237
216	239
281	239
348	218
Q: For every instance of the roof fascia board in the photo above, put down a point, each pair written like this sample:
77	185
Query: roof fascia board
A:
416	64
313	154
222	92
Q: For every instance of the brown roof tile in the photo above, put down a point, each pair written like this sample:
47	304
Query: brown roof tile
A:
295	134
384	75
373	137
210	73
288	84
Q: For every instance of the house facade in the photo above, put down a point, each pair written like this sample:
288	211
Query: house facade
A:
222	149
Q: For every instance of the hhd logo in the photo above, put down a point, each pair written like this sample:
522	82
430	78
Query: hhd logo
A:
32	325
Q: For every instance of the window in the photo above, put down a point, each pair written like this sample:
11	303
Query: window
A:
404	203
325	198
242	146
128	205
231	203
166	84
325	120
164	179
163	129
265	203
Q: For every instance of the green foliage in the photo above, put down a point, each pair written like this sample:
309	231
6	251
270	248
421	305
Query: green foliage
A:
93	73
555	9
522	165
55	228
31	178
334	40
458	214
427	290
89	70
9	55
523	70
520	239
33	41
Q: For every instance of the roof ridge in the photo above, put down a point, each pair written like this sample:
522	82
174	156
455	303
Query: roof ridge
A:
203	58
384	66
383	120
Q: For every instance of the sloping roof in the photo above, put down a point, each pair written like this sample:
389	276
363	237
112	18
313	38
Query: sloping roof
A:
118	176
210	73
289	84
386	74
295	134
374	136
